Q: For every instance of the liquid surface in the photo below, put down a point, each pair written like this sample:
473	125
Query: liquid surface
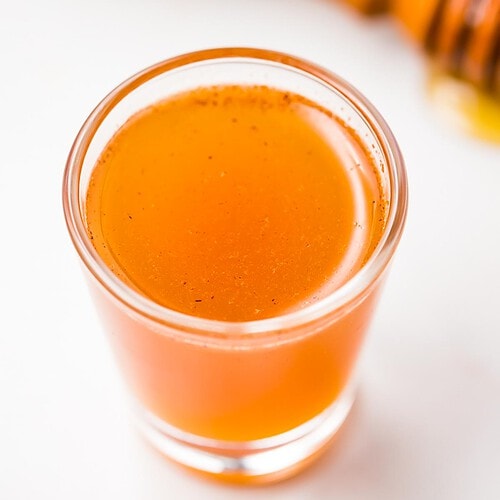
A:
234	203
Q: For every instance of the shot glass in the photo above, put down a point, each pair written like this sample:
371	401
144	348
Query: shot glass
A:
245	401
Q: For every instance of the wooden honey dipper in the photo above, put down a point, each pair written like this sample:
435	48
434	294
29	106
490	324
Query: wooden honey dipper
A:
463	36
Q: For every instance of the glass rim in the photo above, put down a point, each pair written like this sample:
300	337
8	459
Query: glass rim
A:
336	300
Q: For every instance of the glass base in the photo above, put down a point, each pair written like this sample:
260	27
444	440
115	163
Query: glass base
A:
264	460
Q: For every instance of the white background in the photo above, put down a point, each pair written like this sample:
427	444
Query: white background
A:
427	421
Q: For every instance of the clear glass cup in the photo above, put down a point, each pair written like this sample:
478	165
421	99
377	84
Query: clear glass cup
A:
275	390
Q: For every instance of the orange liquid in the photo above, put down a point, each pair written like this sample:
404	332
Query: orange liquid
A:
230	204
235	203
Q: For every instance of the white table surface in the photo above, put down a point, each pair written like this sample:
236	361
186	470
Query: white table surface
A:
427	421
